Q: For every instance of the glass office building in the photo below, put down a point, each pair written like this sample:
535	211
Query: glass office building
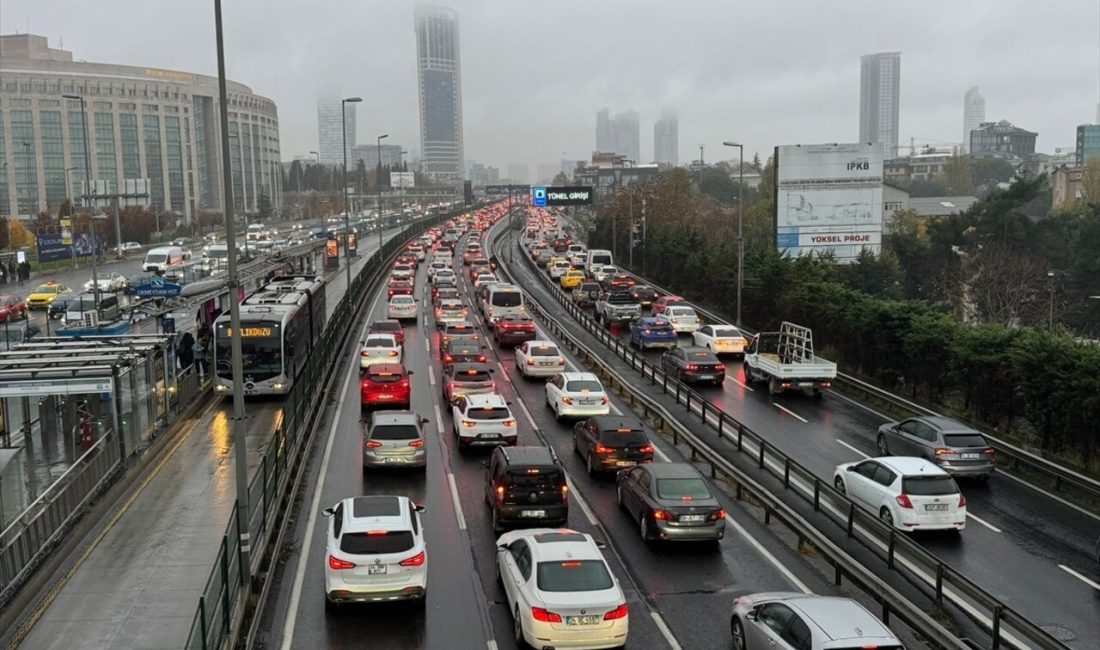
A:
439	81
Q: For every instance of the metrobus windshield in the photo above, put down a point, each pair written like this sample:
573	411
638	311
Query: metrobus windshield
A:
261	350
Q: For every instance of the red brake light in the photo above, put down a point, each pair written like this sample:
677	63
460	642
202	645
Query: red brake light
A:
962	500
943	451
990	452
718	515
448	358
416	560
336	564
600	449
416	443
662	515
500	495
565	494
373	444
648	449
545	615
904	502
617	613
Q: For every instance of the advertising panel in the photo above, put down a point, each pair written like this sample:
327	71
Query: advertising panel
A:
51	248
829	199
402	180
576	195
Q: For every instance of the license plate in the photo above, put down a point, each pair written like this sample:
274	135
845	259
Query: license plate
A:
691	519
547	363
625	463
385	396
971	456
532	513
936	506
376	570
805	384
586	402
489	436
582	620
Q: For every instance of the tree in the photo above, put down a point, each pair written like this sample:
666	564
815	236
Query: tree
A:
756	166
1005	286
66	209
716	182
263	207
986	173
1090	181
20	236
294	180
44	223
957	176
360	175
560	179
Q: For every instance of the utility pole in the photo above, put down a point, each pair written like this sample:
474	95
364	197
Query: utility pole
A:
740	224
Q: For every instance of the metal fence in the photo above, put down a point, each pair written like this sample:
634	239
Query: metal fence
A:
943	583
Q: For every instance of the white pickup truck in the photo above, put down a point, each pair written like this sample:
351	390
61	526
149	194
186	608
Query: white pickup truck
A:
786	360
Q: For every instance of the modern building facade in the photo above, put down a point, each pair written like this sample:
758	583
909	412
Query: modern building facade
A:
879	100
625	130
666	141
142	123
330	129
1088	143
604	141
439	81
973	114
1002	140
368	153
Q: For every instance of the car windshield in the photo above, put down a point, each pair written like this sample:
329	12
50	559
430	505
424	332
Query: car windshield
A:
583	385
573	575
929	485
700	356
395	432
402	300
472	376
376	542
682	488
507	299
488	413
964	440
538	478
46	288
681	311
155	259
623	437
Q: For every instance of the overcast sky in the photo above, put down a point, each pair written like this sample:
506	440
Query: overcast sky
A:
534	73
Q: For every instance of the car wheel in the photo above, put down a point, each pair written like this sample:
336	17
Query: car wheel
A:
557	414
838	483
518	630
883	446
886	517
643	527
576	449
748	374
737	633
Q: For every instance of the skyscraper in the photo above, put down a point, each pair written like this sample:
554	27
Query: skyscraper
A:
666	141
439	81
604	142
330	151
973	114
879	94
626	135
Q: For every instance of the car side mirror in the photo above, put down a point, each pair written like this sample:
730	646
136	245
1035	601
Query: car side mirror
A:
424	420
850	468
328	512
601	545
751	615
492	369
419	508
409	372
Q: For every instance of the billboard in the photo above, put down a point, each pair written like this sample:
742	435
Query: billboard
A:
576	195
54	248
828	199
402	179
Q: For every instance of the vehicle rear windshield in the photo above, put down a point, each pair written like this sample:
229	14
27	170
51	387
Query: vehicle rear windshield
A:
681	311
384	377
451	307
700	356
573	575
507	299
544	478
623	438
620	298
964	440
601	259
156	259
395	432
580	385
929	485
380	342
727	333
460	329
378	543
682	488
547	351
488	413
472	375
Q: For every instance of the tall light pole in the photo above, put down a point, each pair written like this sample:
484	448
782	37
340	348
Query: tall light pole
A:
87	192
740	223
378	180
309	205
347	209
240	464
1050	316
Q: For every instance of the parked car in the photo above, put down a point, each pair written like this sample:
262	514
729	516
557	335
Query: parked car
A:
525	486
108	282
576	395
692	364
652	332
958	448
609	443
720	339
385	383
480	420
906	493
395	439
375	550
670	501
797	621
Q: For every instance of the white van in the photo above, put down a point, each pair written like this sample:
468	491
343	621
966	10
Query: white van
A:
598	256
503	299
159	259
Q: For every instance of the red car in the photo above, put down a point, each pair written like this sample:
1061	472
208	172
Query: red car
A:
408	258
388	326
621	282
12	308
399	287
385	384
664	302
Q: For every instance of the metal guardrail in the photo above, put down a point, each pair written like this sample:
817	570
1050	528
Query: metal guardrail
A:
943	583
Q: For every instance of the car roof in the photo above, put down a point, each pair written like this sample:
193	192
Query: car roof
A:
394	417
550	544
491	399
606	422
838	617
538	343
380	335
672	470
375	512
455	344
580	376
947	425
529	456
470	365
911	466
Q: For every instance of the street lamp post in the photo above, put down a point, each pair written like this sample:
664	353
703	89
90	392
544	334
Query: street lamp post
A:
347	209
1050	314
87	190
309	203
401	187
378	180
740	223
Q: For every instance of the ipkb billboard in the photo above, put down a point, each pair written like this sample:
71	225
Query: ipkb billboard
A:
828	198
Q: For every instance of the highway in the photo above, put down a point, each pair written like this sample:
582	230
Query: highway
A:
1025	546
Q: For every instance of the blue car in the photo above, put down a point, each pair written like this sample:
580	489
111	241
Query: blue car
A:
652	332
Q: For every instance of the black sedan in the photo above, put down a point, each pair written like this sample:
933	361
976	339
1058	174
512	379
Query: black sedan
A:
670	501
692	364
643	295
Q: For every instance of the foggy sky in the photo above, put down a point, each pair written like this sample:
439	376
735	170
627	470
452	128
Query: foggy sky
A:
535	73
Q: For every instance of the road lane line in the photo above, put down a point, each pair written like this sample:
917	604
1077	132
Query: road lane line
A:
740	383
523	407
665	632
862	406
842	443
982	522
438	419
581	502
768	555
491	644
1049	495
431	374
789	412
427	346
458	504
1084	579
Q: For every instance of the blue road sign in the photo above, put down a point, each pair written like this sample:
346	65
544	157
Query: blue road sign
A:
538	197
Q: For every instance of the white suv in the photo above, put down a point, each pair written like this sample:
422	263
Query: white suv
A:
375	551
560	590
483	420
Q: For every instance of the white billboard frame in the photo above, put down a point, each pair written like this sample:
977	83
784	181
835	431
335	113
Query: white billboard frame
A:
402	180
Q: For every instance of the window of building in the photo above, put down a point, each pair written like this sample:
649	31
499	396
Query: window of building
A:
154	166
49	103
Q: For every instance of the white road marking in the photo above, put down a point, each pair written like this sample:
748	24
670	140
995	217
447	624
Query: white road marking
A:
768	555
982	521
789	412
458	504
740	383
491	644
1080	577
1049	495
844	444
438	419
427	346
665	632
523	407
431	374
862	406
660	454
581	502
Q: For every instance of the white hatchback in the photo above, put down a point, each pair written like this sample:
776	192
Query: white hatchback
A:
539	359
560	590
683	319
483	420
401	307
380	348
576	395
905	492
375	551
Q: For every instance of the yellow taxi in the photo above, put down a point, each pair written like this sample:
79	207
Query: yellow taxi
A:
555	258
572	279
44	294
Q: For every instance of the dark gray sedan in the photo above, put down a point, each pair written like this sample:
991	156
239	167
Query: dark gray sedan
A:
670	501
956	447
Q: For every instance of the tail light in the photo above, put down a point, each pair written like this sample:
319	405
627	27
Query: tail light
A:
663	515
617	613
646	332
826	384
648	449
447	358
468	425
364	353
416	560
417	443
604	401
992	453
336	564
904	502
600	449
373	444
500	495
944	451
962	500
481	359
718	515
567	400
530	362
565	494
691	366
492	384
509	424
404	384
545	615
393	353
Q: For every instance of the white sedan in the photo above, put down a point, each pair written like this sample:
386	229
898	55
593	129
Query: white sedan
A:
380	348
576	395
112	282
683	319
435	266
539	359
401	307
560	591
720	339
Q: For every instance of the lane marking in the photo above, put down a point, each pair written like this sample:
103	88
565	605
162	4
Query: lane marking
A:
982	521
427	346
665	632
768	555
581	502
741	383
862	406
1080	577
523	407
431	374
458	504
491	644
1050	495
860	453
790	412
438	419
